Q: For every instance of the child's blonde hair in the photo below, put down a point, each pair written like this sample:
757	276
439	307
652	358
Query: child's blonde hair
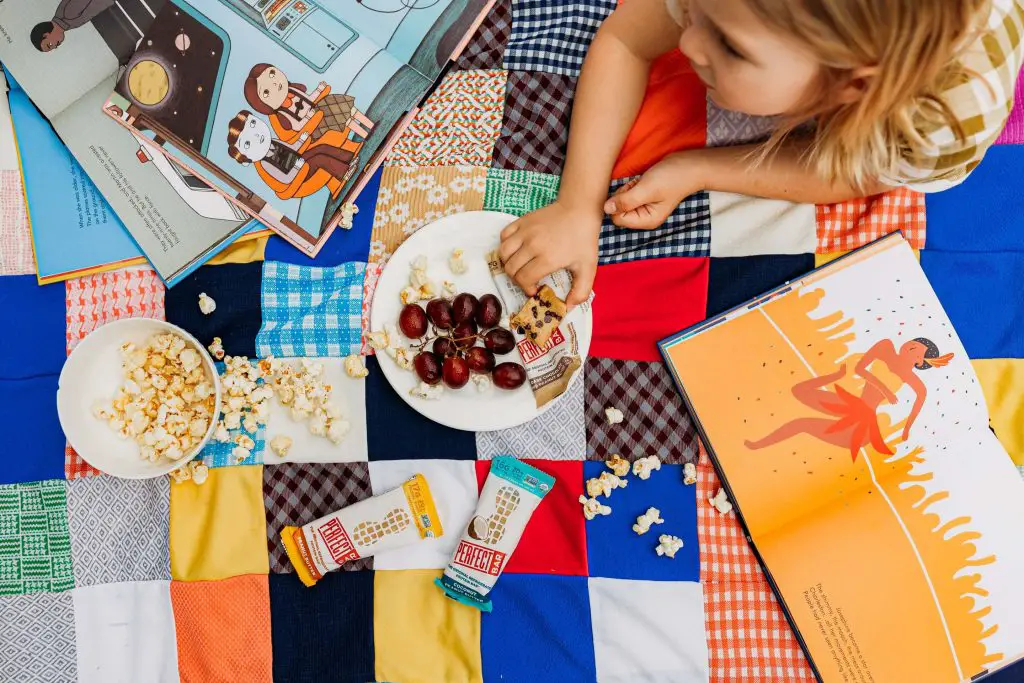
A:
911	46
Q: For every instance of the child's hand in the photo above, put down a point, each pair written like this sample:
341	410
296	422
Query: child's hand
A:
648	201
557	236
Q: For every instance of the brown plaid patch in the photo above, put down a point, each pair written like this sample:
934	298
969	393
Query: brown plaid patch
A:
535	126
486	48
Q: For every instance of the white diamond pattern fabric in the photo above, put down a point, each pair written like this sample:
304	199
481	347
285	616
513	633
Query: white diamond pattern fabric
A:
558	434
38	628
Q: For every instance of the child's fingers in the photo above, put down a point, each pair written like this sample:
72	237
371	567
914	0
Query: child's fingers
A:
516	264
582	282
531	274
511	229
644	217
509	247
626	198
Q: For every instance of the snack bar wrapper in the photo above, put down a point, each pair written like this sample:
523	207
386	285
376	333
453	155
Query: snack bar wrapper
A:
549	368
510	495
400	517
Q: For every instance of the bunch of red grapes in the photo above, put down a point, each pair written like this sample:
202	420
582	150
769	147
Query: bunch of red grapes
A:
453	329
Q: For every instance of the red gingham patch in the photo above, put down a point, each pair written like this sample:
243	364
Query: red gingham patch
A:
852	224
75	467
370	278
748	636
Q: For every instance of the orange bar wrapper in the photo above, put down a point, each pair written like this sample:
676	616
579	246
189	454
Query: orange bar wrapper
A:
398	518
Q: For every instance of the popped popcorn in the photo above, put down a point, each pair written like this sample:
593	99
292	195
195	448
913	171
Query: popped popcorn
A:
280	445
354	367
614	415
309	399
402	358
644	521
426	391
483	383
206	303
604	485
448	289
592	507
643	467
668	546
348	210
721	502
200	471
216	348
689	474
618	465
409	295
456	262
181	475
240	455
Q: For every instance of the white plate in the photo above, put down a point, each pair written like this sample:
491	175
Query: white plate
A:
476	233
93	373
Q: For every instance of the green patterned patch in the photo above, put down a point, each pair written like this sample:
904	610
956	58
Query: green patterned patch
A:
519	192
35	546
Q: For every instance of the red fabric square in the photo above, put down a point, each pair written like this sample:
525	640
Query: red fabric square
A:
673	116
639	303
555	540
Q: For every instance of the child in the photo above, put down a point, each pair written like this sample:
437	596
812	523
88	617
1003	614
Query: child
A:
291	109
899	93
291	170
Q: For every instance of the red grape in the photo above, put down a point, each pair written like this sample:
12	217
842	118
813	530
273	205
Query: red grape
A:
428	368
500	341
480	360
444	347
464	334
440	313
464	308
455	372
509	376
488	313
412	321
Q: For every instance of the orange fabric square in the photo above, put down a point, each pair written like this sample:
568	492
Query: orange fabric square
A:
223	629
852	224
555	540
673	116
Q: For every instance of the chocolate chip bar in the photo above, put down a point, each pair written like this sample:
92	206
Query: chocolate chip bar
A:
540	316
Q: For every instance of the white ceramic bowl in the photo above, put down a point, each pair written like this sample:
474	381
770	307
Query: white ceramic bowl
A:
93	373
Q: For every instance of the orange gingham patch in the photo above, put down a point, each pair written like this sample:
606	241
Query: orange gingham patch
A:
748	636
852	224
94	300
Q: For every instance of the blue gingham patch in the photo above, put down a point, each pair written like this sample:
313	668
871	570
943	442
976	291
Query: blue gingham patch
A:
217	454
687	232
553	35
311	311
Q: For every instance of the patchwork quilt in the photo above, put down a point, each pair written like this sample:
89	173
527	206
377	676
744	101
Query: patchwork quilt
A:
105	580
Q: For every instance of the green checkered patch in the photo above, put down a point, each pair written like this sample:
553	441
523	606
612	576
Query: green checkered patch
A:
519	192
35	545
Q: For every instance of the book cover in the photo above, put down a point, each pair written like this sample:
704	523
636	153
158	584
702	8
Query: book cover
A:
850	431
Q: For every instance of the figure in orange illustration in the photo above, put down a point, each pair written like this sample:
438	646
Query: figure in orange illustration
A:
852	421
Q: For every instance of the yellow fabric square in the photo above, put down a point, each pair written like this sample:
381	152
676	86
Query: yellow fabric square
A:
822	259
419	635
1002	380
242	251
219	529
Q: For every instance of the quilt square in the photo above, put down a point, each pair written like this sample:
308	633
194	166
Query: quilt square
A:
218	529
323	633
454	489
237	318
615	551
223	629
687	232
519	192
972	288
397	432
553	35
555	539
487	46
535	128
35	547
32	430
457	125
853	224
557	434
725	554
746	226
119	529
39	638
242	251
421	636
75	467
655	420
218	454
528	612
649	631
94	300
412	196
311	311
125	632
727	127
16	252
33	339
736	280
298	493
1002	380
370	280
639	303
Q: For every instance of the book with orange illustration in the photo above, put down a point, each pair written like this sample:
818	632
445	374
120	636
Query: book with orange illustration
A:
849	430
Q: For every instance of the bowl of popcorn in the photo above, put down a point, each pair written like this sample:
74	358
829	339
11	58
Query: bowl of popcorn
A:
138	398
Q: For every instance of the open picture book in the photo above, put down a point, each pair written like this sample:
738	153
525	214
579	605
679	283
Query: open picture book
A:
66	56
286	107
849	429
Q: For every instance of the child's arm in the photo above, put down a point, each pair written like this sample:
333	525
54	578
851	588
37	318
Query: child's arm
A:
610	90
784	175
